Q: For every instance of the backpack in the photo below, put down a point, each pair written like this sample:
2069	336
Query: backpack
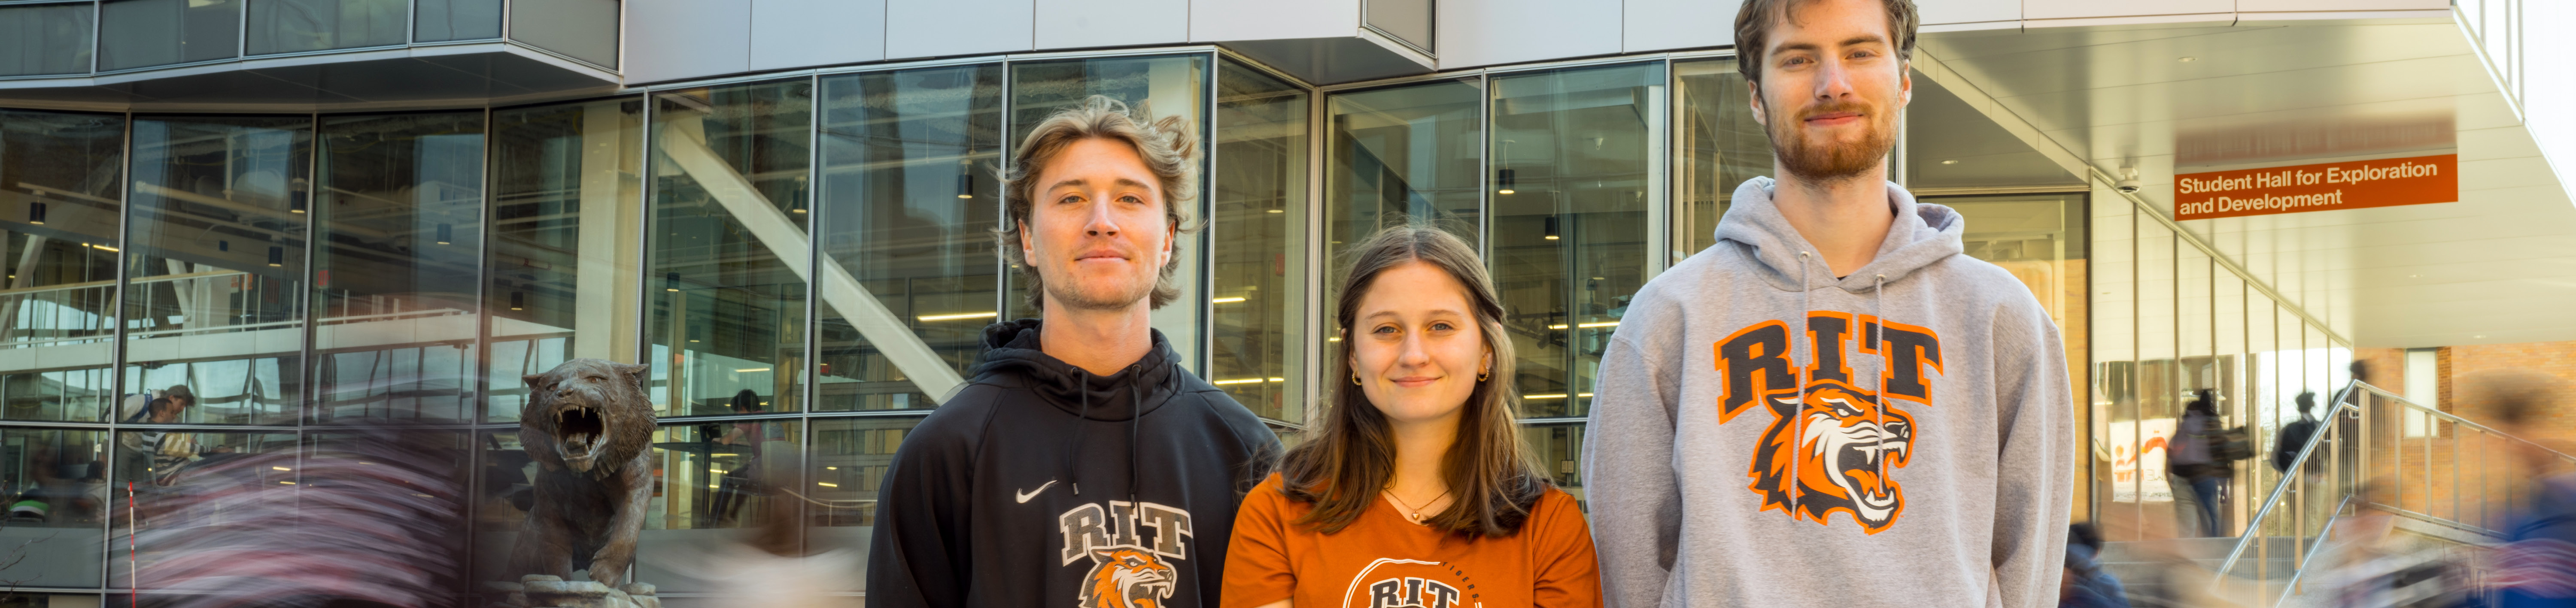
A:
2230	445
2293	437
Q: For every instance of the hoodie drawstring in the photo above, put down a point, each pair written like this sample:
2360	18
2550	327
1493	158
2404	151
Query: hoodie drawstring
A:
1081	432
1135	417
1798	417
1878	331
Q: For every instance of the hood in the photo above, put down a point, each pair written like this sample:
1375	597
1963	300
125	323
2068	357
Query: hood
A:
1011	349
1922	234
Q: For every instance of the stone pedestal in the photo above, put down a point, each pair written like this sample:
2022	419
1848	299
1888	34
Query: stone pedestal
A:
547	591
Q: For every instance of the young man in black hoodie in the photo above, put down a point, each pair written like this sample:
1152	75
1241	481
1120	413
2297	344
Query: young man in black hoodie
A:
1082	466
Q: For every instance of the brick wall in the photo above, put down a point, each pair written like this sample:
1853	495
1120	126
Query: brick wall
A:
2555	426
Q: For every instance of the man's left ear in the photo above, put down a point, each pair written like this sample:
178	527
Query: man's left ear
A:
1905	84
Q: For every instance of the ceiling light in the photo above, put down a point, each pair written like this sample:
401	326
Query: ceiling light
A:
965	185
446	232
1551	228
36	213
2188	59
1227	300
827	484
1278	211
958	316
1504	179
1953	161
1551	396
747	370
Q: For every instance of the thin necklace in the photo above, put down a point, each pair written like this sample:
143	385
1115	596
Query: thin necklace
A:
1409	511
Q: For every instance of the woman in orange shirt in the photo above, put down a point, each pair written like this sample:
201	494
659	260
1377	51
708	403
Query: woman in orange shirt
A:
1415	490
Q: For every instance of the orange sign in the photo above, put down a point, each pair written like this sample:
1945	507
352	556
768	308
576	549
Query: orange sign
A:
2357	184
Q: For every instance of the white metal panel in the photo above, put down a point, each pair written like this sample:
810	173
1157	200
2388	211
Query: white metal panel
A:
804	33
2341	5
1230	20
1075	24
1943	12
1659	25
941	28
677	39
1490	32
2074	9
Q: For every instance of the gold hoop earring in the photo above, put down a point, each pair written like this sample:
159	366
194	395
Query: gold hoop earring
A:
1355	379
1480	376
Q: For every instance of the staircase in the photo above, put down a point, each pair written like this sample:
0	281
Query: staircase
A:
2433	487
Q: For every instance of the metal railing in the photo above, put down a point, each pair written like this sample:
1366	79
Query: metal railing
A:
2375	449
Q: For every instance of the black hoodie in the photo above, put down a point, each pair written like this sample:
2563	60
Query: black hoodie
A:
1022	490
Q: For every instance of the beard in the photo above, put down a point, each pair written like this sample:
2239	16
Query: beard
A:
1830	161
1098	293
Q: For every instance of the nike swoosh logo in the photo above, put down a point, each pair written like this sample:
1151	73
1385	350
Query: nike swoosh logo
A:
1025	496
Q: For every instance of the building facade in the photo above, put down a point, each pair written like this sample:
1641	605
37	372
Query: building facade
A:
323	212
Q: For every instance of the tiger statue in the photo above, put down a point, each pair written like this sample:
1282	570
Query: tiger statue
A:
1846	442
1126	577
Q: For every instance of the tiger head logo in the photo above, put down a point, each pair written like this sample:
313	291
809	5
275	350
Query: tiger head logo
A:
1829	448
1126	577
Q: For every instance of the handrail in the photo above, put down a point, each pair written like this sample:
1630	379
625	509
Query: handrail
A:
2455	419
112	282
2252	526
2292	585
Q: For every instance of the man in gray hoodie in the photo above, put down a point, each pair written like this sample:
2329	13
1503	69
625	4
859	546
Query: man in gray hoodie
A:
1832	406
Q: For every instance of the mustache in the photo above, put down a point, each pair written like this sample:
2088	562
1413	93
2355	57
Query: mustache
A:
1854	107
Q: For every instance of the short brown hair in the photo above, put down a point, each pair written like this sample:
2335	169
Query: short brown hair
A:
1753	31
1350	456
1167	146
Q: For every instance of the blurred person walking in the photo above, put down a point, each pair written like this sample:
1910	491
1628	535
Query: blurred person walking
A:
2536	566
2086	583
1416	489
2195	459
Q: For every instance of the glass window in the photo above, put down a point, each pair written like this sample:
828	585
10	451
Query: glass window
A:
439	20
400	221
214	300
909	203
562	274
143	33
1403	155
580	29
1721	146
1154	87
850	459
1407	20
1257	242
45	39
175	475
1557	449
58	492
1574	154
294	26
58	223
728	245
711	479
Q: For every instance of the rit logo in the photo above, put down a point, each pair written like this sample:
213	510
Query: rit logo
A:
1410	592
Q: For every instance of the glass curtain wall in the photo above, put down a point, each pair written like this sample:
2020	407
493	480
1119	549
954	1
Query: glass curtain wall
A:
1721	146
46	38
1157	88
215	292
58	218
2167	321
1257	235
728	259
1407	154
1576	156
560	275
145	33
397	256
909	199
294	26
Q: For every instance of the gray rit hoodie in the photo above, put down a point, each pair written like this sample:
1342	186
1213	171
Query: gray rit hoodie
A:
1760	437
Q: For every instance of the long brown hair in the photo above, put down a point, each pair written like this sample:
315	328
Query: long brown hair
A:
1351	458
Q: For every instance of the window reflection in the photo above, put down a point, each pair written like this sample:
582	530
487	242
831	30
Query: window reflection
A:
1259	216
909	203
728	245
1558	451
710	480
45	39
1721	146
59	202
290	26
1154	87
1574	154
401	237
57	487
563	267
143	33
849	465
1401	155
439	20
216	263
